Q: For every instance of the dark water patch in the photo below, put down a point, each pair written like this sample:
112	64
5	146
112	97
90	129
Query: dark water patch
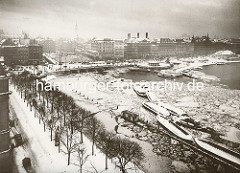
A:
229	74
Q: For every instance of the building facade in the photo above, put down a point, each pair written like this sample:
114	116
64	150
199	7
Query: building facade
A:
119	49
35	54
6	159
48	45
131	51
104	47
17	55
157	49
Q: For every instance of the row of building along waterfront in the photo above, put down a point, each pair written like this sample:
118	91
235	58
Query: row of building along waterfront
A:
24	50
136	47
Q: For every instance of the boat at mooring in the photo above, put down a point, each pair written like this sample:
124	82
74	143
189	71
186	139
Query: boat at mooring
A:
156	109
175	129
219	151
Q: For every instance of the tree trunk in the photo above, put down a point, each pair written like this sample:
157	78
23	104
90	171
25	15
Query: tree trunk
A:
93	147
94	131
81	134
82	130
71	124
51	133
81	165
106	162
59	145
69	154
122	167
67	137
80	161
47	101
25	96
64	119
43	100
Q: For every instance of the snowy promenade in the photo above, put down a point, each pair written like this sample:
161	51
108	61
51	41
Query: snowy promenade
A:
47	158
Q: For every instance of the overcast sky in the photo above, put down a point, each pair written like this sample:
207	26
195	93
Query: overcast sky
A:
116	18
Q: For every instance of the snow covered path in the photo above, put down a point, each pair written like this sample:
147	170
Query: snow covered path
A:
47	157
44	155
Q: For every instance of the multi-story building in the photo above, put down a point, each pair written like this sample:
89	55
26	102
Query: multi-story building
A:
23	54
14	55
10	54
184	49
104	47
119	48
35	54
163	47
131	50
48	45
144	48
6	159
136	47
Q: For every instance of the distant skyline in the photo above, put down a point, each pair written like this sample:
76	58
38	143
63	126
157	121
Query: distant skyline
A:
116	18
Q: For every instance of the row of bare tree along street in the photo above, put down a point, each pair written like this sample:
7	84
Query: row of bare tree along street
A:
68	123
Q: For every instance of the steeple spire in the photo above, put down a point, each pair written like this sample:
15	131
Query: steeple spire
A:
76	30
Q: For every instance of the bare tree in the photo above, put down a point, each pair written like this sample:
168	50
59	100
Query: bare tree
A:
64	107
69	143
81	156
127	151
42	116
94	127
35	105
95	169
105	144
52	123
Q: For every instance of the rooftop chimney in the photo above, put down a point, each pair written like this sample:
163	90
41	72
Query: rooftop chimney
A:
138	35
146	34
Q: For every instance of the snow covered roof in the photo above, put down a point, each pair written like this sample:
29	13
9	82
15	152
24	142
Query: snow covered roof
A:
137	40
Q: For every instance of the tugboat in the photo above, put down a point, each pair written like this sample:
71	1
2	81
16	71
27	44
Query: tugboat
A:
175	129
219	151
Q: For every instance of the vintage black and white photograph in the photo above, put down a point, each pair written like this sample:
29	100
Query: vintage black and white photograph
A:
119	86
